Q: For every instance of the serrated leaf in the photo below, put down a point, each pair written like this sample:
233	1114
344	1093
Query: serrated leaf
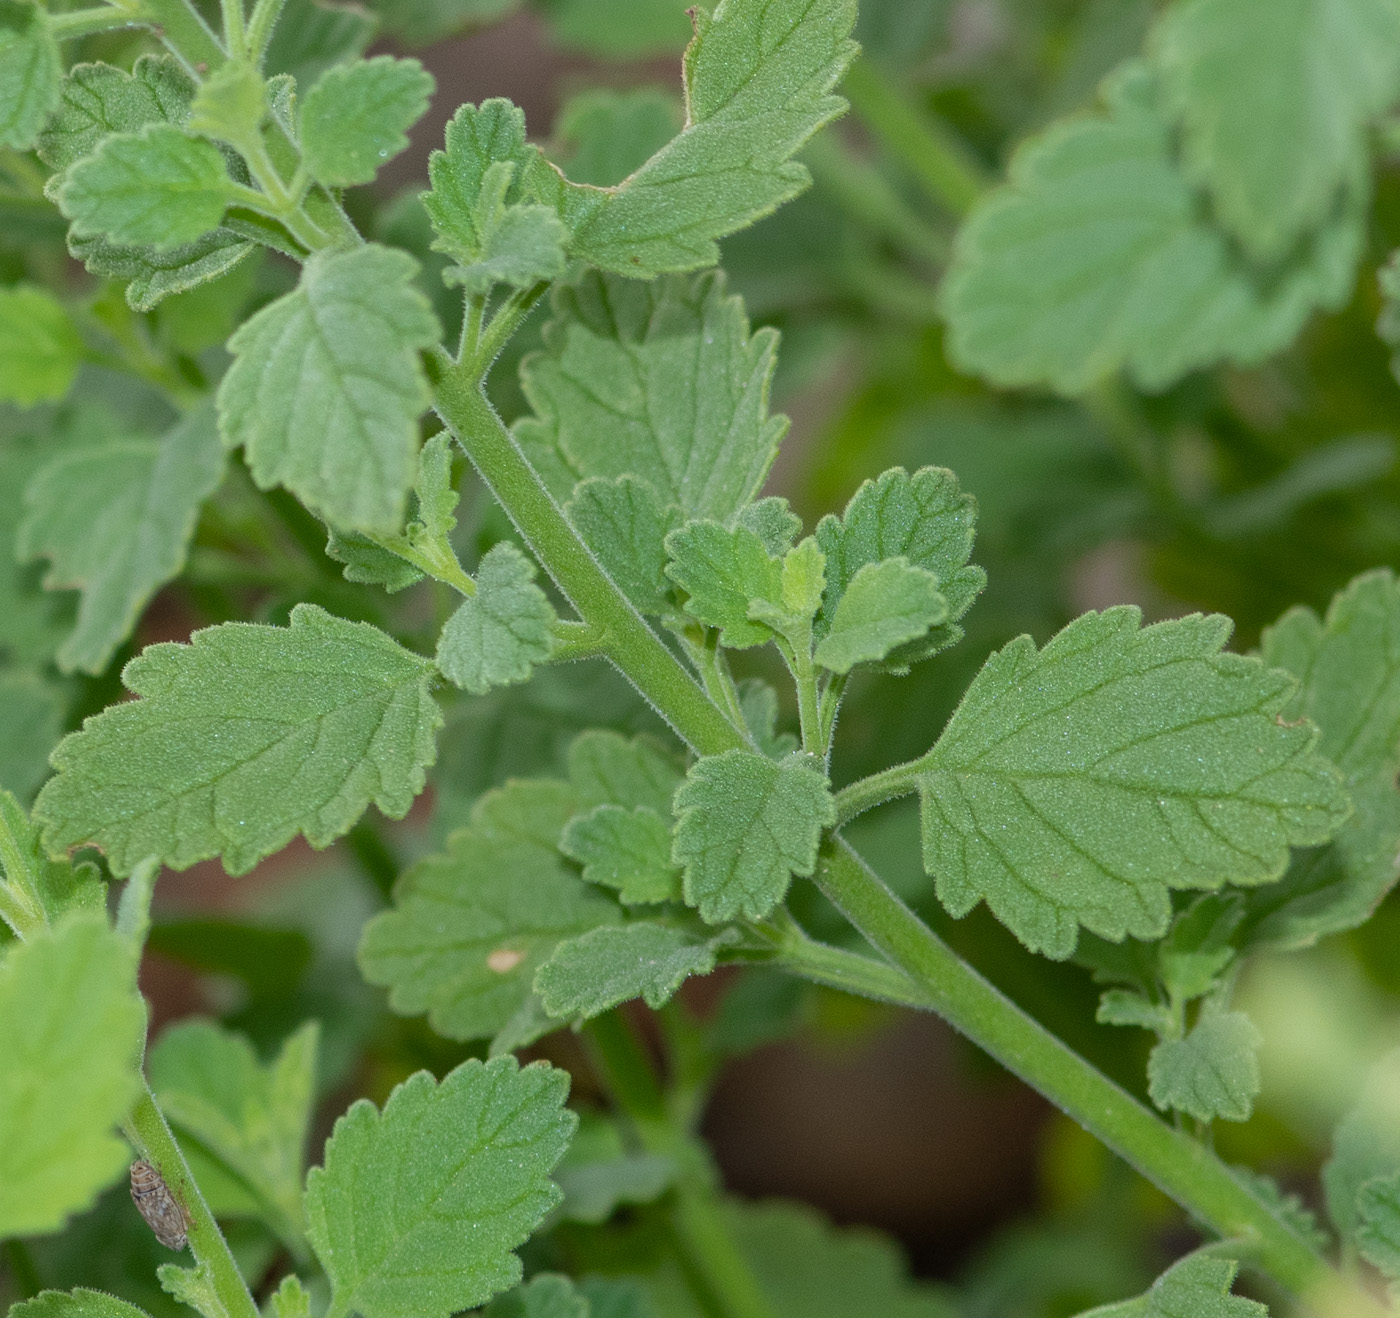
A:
602	135
662	382
1365	1146
885	605
1274	97
470	925
326	387
1077	784
244	738
418	1209
30	73
1197	1286
195	1288
629	850
757	86
545	1295
153	275
1094	257
437	496
745	826
40	348
1212	1072
368	563
32	711
606	768
773	522
71	1029
498	635
1197	948
520	245
79	1303
311	37
724	572
1378	1235
115	521
625	524
253	1117
290	1299
1349	667
592	973
158	187
1124	1007
357	116
924	518
48	888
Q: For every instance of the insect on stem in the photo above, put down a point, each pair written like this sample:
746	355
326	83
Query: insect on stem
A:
164	1214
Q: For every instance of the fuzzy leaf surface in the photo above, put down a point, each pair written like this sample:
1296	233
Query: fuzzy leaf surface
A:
1197	1286
153	274
498	635
30	73
592	973
71	1030
244	738
79	1303
606	768
326	387
418	1209
745	826
1212	1072
625	524
115	521
629	850
40	348
725	573
356	117
885	605
1075	785
1378	1236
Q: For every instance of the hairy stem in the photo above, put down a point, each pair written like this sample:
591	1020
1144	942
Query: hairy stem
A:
84	22
186	35
875	790
260	27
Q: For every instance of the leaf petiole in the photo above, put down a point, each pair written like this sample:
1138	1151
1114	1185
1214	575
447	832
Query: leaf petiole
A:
103	18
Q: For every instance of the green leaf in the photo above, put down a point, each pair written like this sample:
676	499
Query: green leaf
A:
924	518
326	387
773	522
1366	1146
606	768
724	572
115	520
662	382
625	524
80	1303
1125	1007
31	722
1378	1235
253	1117
418	1208
157	187
154	275
757	86
498	635
545	1295
30	73
602	135
1094	257
1269	124
629	850
1075	785
758	703
193	1287
1197	948
520	245
357	116
598	1174
368	563
592	973
745	826
1197	1286
1212	1072
40	348
243	738
470	926
48	888
310	38
71	1029
290	1299
884	605
1349	667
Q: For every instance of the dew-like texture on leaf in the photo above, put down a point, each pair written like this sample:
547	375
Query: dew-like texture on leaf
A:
356	117
662	382
71	1029
1378	1235
115	521
40	347
724	573
418	1209
1212	1072
545	1295
80	1303
1349	668
758	84
629	850
745	826
1094	257
1274	97
1075	785
470	925
1365	1146
926	519
499	634
885	605
326	387
157	186
592	973
30	73
244	738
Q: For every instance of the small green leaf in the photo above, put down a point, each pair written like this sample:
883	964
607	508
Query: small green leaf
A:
157	187
625	525
1197	949
30	73
745	826
758	703
357	116
193	1287
115	520
470	926
78	1303
154	275
418	1209
437	496
1212	1072
71	1030
545	1295
629	850
724	572
1366	1145
1124	1007
605	768
368	563
230	106
40	349
243	738
498	635
1378	1235
520	245
1197	1286
773	522
310	37
592	973
884	605
1076	784
290	1299
326	387
47	888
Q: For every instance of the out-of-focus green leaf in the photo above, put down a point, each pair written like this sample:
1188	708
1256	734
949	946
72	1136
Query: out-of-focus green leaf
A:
30	72
40	348
1212	1072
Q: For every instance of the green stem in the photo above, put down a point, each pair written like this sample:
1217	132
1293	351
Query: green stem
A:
575	640
433	558
839	969
84	22
186	35
260	28
809	718
878	788
714	674
1177	1164
831	705
501	327
938	157
148	1130
235	34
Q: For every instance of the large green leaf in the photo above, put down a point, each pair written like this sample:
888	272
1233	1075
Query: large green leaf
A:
244	738
1077	784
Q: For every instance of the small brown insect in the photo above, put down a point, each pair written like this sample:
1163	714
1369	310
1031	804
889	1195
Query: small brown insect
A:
158	1206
